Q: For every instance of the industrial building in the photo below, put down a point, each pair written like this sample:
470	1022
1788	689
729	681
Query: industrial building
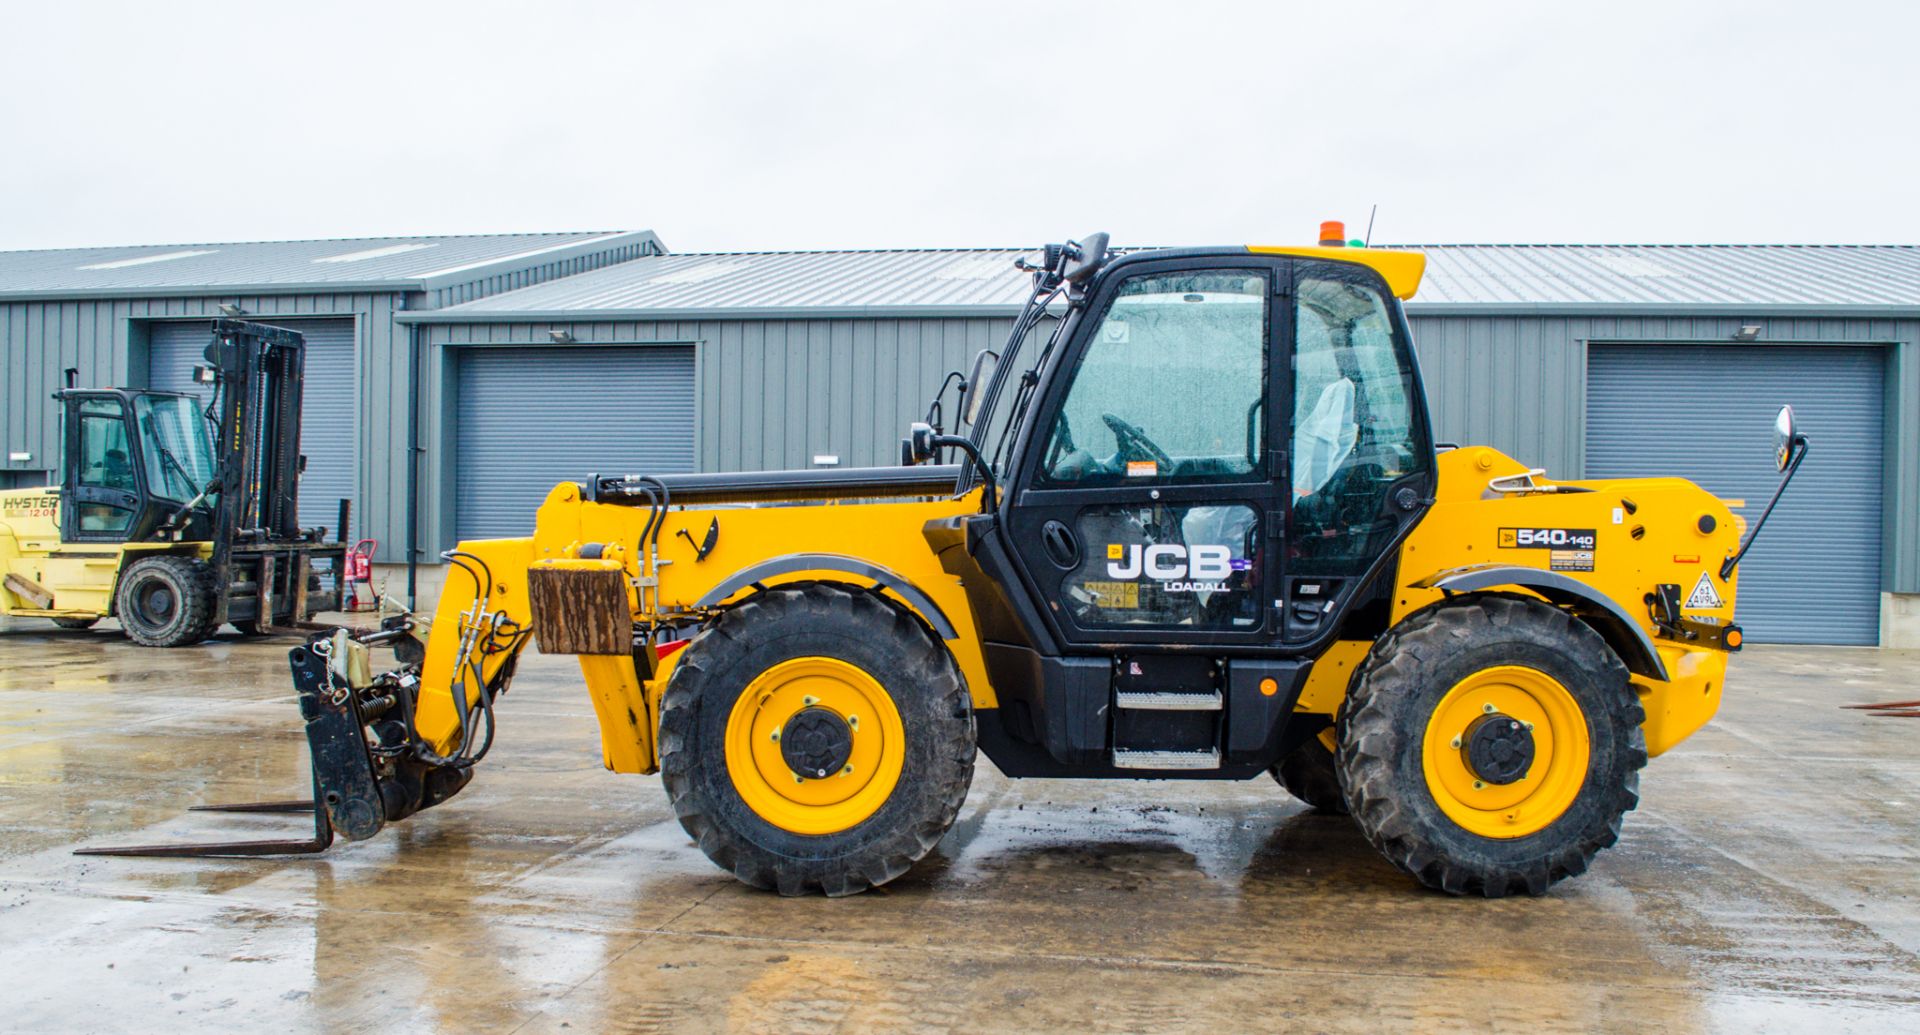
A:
1585	360
139	316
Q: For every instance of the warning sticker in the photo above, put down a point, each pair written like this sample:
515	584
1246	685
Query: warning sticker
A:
1703	596
1115	595
1142	468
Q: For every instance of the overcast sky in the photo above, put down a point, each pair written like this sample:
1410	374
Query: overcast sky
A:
826	125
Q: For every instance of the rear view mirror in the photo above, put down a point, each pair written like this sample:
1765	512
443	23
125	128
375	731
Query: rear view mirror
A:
1084	259
919	443
976	388
1784	434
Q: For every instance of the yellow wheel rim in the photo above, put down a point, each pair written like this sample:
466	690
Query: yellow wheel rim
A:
812	805
1561	751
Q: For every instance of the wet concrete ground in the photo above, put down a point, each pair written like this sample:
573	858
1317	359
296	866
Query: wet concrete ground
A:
1769	882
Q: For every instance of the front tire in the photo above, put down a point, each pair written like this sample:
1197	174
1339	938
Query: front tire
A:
166	601
1491	745
816	738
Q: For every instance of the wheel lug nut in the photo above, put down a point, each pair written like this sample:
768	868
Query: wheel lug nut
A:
1487	708
848	771
853	722
797	778
776	735
810	700
1455	744
1478	786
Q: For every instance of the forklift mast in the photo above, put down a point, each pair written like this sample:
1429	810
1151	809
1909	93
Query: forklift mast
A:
257	373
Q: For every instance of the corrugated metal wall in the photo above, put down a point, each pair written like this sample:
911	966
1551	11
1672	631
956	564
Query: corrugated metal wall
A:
770	394
1518	383
106	339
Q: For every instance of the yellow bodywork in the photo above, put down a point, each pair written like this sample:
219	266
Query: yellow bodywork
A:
81	577
1401	270
1646	532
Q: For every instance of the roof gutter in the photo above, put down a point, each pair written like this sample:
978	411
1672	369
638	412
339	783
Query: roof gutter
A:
799	312
1730	309
461	315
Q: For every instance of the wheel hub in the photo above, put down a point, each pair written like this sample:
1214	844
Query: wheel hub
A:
1498	748
816	743
157	601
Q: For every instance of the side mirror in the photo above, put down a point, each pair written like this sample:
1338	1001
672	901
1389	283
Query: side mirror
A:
919	442
984	365
1084	259
1784	434
1789	449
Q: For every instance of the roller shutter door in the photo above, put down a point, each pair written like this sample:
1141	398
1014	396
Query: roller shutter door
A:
327	411
1706	413
530	418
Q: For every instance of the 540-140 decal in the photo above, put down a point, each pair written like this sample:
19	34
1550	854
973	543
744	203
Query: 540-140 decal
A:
1547	538
1571	549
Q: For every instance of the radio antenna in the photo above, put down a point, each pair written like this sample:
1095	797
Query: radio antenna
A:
1368	240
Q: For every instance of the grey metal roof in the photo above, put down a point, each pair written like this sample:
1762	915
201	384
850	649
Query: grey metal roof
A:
366	263
982	281
1732	275
844	283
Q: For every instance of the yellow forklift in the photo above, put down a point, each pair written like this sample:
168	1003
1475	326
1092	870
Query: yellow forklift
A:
1201	531
172	518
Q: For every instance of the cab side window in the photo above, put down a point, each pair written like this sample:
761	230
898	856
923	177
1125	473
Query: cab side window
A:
1354	432
1169	387
104	460
105	463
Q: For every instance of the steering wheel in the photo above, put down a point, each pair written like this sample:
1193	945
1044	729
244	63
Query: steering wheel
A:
1135	445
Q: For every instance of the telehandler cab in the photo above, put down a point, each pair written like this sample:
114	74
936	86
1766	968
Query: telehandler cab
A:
1200	532
170	529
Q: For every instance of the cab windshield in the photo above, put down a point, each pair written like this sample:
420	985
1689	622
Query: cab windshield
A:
174	443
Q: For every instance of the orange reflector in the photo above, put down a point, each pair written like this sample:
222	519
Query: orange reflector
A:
1686	558
1269	687
1734	637
1333	233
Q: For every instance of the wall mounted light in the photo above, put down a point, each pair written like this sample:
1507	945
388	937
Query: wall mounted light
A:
561	337
1747	332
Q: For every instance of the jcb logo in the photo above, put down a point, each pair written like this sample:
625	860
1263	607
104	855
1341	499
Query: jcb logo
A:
1169	562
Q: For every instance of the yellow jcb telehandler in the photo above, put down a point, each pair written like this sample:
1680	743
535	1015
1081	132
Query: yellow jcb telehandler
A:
1200	531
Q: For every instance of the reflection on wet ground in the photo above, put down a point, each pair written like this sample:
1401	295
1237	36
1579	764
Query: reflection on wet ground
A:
1768	882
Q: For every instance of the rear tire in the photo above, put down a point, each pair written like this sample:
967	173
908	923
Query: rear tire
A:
76	624
1448	823
1308	773
166	601
724	789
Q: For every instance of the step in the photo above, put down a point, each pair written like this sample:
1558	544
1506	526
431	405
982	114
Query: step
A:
1124	759
1162	701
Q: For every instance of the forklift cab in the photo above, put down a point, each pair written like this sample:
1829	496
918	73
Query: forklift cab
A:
135	463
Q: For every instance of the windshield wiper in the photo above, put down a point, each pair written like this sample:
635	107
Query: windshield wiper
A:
168	459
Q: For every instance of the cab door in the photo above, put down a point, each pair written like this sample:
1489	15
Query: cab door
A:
1147	504
100	493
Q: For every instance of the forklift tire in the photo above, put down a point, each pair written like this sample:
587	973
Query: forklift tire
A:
76	624
1491	745
166	601
766	758
1308	774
